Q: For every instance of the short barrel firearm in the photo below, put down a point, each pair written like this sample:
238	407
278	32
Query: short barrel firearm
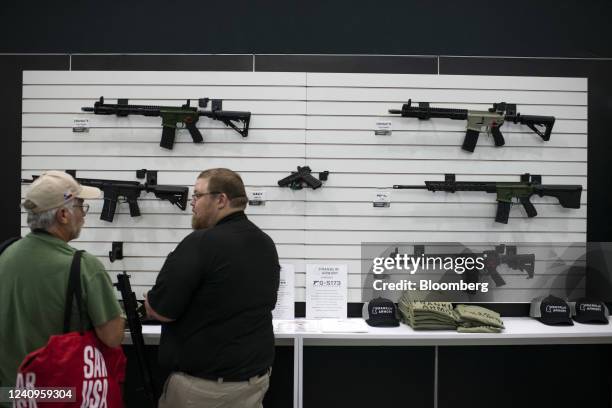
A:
303	177
477	121
507	192
114	190
174	117
501	255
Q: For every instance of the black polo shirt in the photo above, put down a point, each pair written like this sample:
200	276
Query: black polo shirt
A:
220	286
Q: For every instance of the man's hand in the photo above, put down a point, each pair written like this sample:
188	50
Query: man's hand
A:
152	314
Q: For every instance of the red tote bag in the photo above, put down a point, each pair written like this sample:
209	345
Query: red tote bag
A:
80	369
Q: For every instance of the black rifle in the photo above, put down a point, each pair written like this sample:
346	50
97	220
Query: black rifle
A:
490	120
130	304
303	178
130	190
172	116
568	195
501	255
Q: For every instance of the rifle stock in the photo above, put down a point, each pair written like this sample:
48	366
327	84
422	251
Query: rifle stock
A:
568	195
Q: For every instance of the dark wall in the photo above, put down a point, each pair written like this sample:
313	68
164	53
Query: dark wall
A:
11	67
477	27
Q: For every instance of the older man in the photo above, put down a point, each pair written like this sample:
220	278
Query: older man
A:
215	294
34	275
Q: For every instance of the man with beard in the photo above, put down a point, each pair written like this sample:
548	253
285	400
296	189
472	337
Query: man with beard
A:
215	295
34	275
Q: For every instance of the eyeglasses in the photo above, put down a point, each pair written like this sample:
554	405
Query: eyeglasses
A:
84	207
196	196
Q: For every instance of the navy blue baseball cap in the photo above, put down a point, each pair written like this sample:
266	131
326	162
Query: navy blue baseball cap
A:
380	312
551	310
590	311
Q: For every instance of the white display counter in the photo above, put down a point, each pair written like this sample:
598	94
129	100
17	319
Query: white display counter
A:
519	331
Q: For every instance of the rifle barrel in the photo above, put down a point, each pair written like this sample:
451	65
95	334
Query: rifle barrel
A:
405	187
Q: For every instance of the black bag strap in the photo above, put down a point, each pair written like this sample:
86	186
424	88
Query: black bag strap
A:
8	242
74	291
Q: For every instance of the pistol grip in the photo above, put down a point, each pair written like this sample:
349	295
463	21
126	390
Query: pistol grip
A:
471	138
167	140
503	212
194	132
528	206
134	209
497	278
498	138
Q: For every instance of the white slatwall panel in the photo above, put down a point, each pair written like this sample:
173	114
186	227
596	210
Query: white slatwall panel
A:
325	120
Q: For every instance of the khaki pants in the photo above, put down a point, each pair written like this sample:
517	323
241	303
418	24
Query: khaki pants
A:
182	390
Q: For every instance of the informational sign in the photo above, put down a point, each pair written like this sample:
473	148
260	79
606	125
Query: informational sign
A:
80	125
285	302
383	128
257	197
382	198
326	291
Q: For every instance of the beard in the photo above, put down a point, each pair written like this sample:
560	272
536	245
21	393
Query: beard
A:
197	223
76	229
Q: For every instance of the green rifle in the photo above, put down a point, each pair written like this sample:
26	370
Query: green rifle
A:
174	117
568	195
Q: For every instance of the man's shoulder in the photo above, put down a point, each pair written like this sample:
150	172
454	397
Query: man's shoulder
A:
91	260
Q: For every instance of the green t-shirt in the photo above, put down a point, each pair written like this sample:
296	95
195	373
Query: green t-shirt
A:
33	280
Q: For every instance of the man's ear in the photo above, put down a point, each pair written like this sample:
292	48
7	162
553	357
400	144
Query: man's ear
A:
223	201
61	216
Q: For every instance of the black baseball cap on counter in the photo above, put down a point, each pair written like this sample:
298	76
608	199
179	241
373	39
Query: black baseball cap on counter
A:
551	310
590	311
380	312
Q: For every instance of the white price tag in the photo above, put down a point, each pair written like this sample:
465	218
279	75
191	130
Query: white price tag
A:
382	198
80	125
383	128
257	197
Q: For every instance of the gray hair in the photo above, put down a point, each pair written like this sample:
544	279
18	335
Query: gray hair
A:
46	219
